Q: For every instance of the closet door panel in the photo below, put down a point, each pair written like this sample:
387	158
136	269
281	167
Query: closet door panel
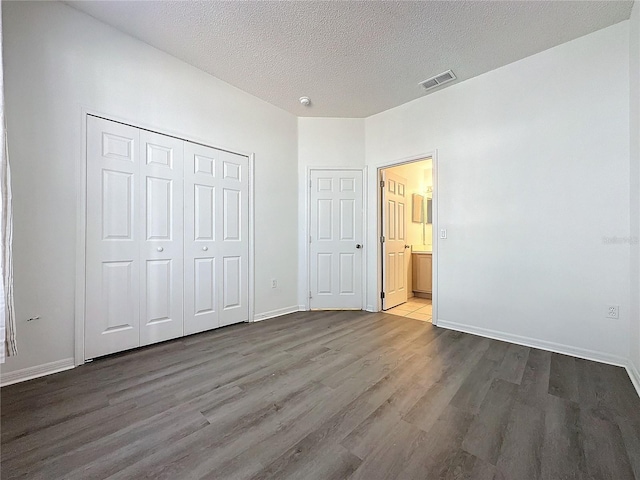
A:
112	261
216	238
161	233
201	179
233	246
204	286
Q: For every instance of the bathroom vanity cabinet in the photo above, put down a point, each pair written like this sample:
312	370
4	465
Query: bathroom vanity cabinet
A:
422	273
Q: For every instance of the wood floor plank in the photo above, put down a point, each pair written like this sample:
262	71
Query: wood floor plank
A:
350	408
475	387
439	455
513	364
100	458
604	447
497	350
388	456
324	425
521	452
326	395
382	359
243	466
68	436
606	385
486	433
461	361
630	430
562	450
463	465
335	463
329	421
367	436
204	451
534	386
563	377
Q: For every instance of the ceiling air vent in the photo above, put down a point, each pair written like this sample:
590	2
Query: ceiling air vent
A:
438	80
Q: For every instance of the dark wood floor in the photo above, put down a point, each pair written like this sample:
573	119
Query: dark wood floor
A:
326	395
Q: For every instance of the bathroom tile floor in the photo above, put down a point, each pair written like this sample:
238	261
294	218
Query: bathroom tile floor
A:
415	307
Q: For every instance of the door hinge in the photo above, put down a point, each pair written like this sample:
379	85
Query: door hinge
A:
310	181
310	297
382	239
381	183
382	295
309	238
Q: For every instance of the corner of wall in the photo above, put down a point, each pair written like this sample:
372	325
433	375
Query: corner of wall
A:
634	375
634	171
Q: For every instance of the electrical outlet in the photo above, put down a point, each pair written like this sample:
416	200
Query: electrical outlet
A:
613	311
274	283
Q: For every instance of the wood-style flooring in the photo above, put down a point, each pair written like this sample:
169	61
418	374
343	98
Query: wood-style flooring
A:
326	395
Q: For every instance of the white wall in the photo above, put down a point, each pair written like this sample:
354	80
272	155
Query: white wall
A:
57	61
322	142
533	169
634	127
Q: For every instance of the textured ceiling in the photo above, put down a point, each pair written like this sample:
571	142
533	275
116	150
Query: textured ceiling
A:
352	58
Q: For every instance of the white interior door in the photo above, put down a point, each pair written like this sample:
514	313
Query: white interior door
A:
394	227
161	200
336	248
112	254
215	238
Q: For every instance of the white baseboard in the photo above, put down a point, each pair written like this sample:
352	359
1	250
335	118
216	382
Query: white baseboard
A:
17	376
371	308
587	354
276	313
634	375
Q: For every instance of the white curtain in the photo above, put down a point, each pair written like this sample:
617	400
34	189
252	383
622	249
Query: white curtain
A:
7	312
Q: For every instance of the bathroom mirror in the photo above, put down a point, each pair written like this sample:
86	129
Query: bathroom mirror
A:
429	212
418	212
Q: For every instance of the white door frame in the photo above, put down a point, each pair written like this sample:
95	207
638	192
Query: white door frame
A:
434	205
307	250
81	211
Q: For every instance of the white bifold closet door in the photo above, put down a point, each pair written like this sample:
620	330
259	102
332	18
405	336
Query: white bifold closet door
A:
215	238
112	299
167	238
161	253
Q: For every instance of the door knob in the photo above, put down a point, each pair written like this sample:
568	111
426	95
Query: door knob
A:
407	246
205	248
160	249
358	245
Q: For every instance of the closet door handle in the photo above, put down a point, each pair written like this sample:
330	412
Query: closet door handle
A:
160	249
205	248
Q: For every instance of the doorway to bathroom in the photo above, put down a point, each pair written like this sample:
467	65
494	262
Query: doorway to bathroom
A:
407	260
